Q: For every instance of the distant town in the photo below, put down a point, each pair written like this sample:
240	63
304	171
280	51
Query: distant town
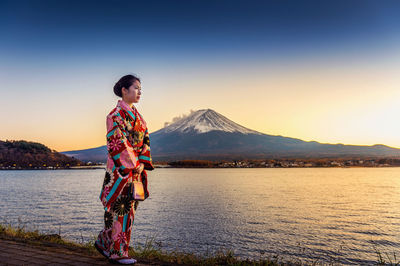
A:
268	163
286	163
15	155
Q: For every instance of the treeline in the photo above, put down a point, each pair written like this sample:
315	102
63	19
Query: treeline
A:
192	163
390	161
27	154
288	162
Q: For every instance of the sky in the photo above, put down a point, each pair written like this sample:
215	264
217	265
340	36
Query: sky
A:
325	71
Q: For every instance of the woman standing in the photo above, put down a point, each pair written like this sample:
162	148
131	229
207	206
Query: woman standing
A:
128	147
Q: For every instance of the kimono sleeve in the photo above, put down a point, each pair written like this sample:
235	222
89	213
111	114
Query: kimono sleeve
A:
145	156
118	146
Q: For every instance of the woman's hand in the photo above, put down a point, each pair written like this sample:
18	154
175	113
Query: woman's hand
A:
140	168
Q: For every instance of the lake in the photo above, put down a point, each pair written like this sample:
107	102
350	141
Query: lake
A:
330	214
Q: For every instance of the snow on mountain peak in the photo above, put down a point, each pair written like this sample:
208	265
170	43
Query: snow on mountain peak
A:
206	120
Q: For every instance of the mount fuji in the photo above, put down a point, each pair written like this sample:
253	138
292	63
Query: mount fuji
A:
203	121
206	134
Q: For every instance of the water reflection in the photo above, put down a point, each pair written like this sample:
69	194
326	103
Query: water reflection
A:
331	213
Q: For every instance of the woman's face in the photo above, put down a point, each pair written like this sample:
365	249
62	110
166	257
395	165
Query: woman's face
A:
132	95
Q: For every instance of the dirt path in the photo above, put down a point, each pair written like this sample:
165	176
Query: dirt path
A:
15	252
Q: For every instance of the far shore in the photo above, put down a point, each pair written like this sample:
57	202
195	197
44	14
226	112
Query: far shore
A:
239	163
199	167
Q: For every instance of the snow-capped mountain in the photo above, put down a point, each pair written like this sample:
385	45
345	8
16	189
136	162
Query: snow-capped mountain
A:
206	134
206	120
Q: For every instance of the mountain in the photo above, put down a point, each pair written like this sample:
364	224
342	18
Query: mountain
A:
94	155
28	154
203	121
206	134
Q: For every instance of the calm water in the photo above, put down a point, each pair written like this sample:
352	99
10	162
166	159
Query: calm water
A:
328	213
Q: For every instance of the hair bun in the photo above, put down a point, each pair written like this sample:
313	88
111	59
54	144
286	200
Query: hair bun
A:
126	81
118	89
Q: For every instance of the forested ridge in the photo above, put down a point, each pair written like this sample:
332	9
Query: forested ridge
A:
27	154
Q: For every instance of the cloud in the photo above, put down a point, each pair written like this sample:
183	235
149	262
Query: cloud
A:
177	118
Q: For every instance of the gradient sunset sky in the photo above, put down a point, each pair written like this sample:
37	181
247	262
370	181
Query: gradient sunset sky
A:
327	71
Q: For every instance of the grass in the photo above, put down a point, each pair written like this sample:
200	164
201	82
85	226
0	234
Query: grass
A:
39	239
390	261
152	253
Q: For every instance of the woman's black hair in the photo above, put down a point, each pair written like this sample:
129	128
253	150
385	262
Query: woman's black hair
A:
126	81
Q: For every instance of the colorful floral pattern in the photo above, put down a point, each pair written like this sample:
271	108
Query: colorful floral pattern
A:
116	234
108	219
126	150
114	144
128	145
107	179
122	205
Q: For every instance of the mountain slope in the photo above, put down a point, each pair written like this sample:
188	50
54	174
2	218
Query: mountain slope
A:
203	121
206	134
224	145
93	155
28	154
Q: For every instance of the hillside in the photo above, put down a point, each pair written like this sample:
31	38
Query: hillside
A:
27	154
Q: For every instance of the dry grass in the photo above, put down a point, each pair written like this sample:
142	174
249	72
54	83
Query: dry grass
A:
152	253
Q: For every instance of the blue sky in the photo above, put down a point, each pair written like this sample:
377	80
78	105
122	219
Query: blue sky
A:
68	54
176	29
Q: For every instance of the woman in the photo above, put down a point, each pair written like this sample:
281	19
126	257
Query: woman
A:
128	147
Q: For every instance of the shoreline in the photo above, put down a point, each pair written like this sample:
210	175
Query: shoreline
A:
33	246
149	254
202	167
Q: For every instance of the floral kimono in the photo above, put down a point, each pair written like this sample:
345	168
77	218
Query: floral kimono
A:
128	145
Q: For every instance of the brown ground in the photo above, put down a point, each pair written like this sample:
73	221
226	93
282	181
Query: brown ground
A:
21	252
